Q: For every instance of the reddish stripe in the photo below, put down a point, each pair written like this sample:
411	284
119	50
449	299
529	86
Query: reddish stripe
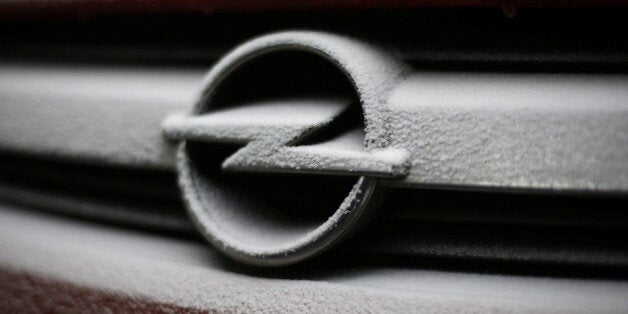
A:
47	7
25	293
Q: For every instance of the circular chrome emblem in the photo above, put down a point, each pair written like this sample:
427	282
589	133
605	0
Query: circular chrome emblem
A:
281	156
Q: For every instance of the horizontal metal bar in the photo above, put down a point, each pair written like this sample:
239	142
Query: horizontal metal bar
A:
489	130
103	114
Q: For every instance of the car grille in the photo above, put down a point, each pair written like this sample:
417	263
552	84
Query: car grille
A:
509	231
85	138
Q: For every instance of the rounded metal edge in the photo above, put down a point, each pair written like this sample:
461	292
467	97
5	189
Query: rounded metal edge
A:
371	70
350	216
371	84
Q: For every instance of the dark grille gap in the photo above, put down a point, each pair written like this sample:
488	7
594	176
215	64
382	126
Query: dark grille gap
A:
539	208
129	197
535	40
491	231
307	200
282	74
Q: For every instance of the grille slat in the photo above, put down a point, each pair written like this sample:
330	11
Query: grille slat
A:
515	127
136	198
455	227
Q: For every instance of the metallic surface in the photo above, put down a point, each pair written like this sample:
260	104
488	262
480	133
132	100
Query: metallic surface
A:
241	226
175	273
470	130
533	131
514	130
98	114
